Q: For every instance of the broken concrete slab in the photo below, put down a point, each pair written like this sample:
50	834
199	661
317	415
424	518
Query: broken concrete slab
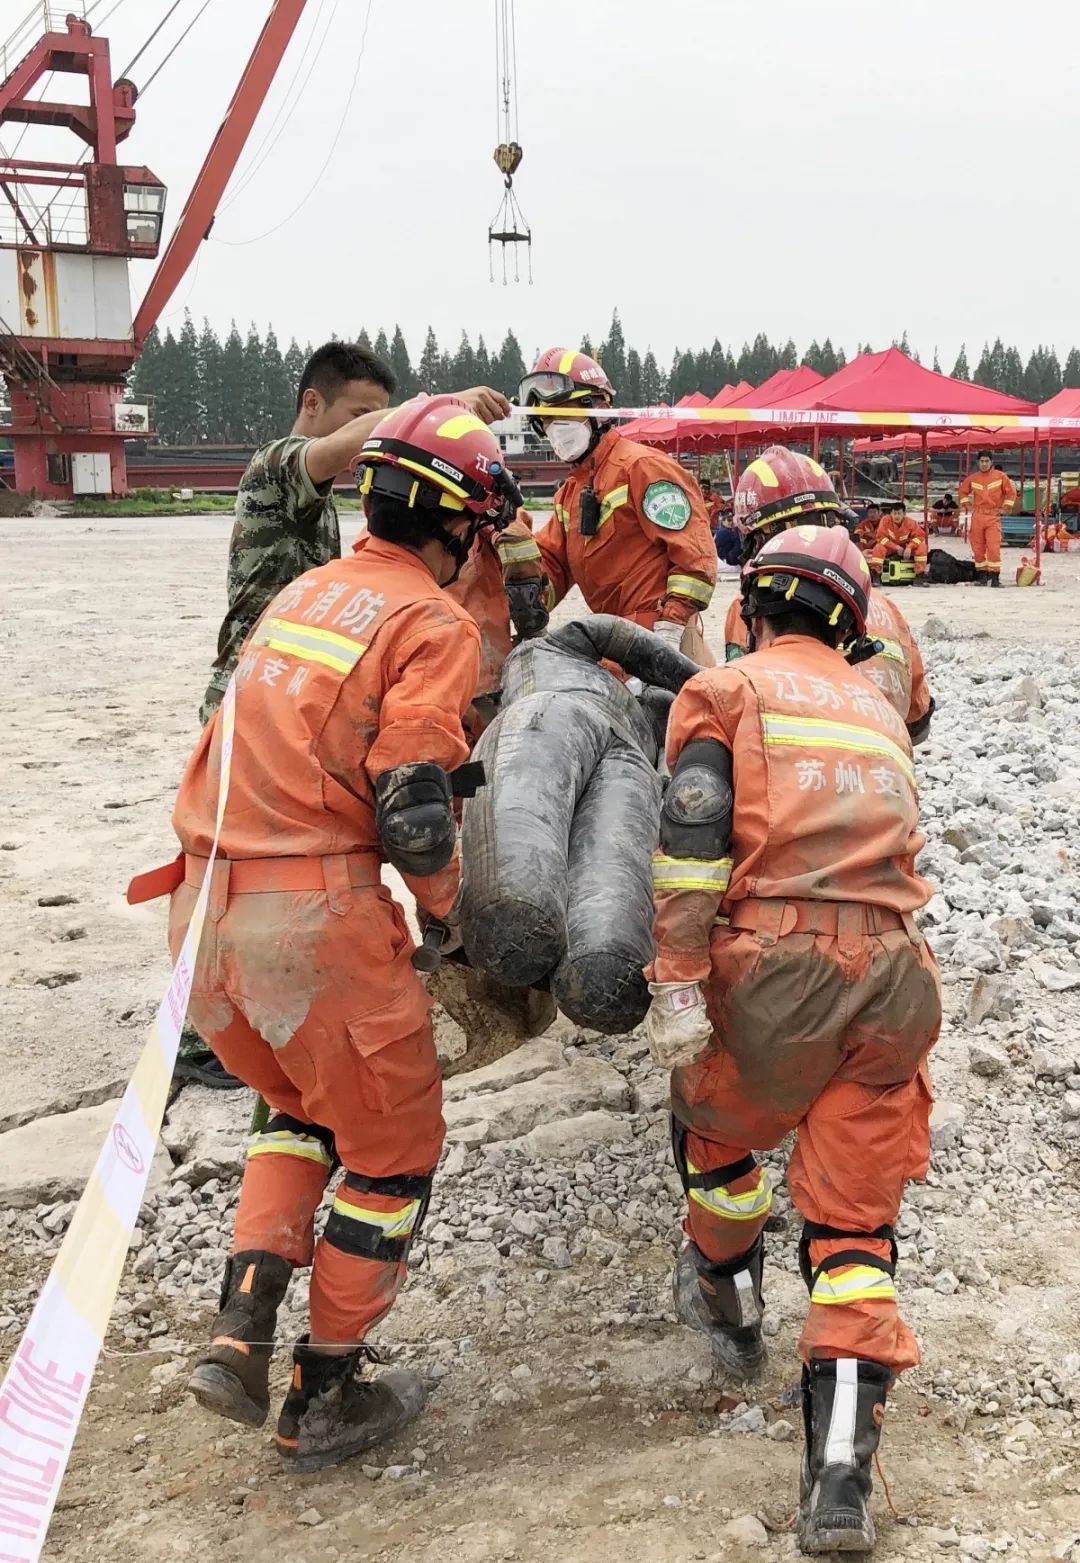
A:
567	1138
586	1086
51	1159
526	1062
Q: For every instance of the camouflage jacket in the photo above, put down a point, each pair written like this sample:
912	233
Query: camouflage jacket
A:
284	525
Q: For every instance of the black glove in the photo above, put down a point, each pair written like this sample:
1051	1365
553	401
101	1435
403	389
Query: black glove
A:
527	612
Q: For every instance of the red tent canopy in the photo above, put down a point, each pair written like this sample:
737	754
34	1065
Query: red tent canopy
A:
1066	404
702	437
893	382
668	434
639	428
780	387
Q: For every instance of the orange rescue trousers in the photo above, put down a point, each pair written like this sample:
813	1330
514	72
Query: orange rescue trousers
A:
985	541
826	1034
304	989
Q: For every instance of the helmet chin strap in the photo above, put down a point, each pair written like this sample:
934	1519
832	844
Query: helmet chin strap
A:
459	548
598	431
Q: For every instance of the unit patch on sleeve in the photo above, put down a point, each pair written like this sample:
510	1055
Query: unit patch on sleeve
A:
667	505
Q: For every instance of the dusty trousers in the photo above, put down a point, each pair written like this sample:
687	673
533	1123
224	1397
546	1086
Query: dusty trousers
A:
305	990
826	1034
986	541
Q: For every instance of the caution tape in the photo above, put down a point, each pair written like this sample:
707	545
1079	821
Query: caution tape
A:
48	1379
797	417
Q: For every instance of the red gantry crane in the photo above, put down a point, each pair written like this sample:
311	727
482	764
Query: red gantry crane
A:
68	232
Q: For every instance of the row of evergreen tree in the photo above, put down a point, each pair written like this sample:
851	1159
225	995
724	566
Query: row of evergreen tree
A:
243	390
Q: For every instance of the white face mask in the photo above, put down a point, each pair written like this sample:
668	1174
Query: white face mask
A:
569	437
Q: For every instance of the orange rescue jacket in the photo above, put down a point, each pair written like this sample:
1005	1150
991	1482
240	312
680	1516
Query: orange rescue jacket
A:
897	671
652	556
825	800
987	493
898	536
355	667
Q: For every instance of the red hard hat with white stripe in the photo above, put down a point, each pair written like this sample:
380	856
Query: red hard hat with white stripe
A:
780	485
562	376
435	452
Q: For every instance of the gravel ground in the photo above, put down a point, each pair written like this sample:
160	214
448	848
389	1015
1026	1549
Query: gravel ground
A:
570	1411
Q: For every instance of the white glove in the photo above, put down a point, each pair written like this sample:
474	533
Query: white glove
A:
677	1025
670	633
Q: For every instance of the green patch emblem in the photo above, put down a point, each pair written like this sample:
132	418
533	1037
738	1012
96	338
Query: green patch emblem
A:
667	505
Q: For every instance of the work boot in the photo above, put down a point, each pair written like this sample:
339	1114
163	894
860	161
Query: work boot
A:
195	1061
994	578
723	1301
843	1408
233	1377
332	1412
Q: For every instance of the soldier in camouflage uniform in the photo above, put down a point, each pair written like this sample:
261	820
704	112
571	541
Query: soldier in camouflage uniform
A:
286	523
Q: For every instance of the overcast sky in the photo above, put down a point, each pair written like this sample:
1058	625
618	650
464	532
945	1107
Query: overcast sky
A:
711	167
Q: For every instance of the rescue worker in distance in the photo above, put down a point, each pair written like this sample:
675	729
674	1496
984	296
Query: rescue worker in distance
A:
899	536
866	531
630	528
348	743
987	493
781	489
792	990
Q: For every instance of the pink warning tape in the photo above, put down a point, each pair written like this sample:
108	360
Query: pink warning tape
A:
48	1379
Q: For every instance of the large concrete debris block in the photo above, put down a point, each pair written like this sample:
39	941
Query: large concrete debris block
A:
52	1158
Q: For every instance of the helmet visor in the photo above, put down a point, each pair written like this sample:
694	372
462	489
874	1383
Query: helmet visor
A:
545	389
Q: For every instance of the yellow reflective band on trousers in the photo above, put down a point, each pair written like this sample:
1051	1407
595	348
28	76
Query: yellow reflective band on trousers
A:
391	1223
691	873
855	1283
611	502
310	645
690	586
748	1205
814	732
517	552
283	1142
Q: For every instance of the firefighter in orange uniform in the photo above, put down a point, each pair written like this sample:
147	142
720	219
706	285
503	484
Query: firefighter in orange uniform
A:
348	743
630	528
866	531
778	490
987	493
899	536
792	990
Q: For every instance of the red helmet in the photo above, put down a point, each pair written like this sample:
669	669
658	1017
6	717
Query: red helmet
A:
780	485
562	375
817	568
436	453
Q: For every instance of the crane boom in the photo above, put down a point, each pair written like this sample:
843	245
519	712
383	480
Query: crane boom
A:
198	215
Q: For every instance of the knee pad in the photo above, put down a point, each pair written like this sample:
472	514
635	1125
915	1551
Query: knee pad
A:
386	1236
709	1189
285	1135
872	1277
695	819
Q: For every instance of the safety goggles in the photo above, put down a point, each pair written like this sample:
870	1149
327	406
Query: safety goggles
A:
551	389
